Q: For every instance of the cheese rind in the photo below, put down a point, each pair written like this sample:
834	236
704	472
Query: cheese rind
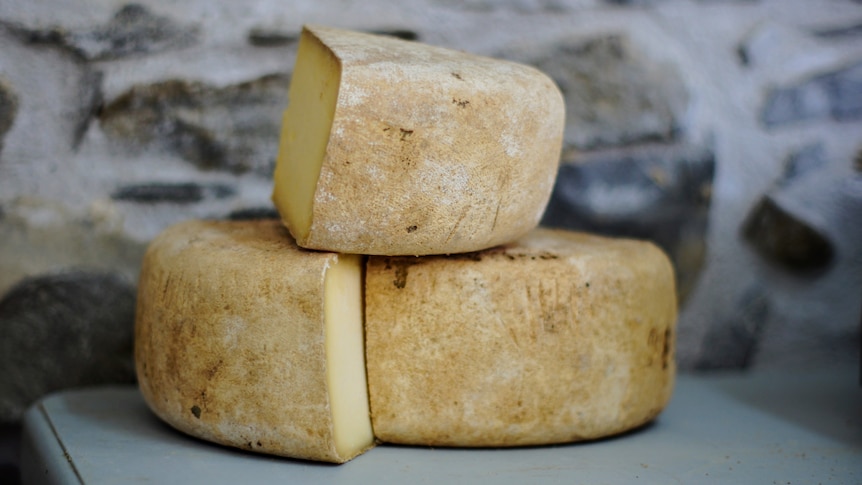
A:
240	339
429	151
557	337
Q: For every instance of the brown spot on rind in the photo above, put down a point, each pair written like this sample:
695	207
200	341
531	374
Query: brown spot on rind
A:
196	410
412	228
400	280
665	353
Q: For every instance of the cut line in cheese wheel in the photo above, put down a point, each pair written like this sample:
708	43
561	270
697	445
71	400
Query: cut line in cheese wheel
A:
246	340
555	338
392	147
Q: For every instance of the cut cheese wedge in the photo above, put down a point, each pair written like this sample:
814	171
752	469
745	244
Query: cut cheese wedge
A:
246	340
557	337
392	147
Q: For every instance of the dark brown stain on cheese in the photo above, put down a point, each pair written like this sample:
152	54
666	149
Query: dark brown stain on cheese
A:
665	354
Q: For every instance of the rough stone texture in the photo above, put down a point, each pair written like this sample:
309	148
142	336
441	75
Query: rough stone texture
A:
733	342
266	37
841	32
789	225
836	95
181	193
804	162
614	94
39	235
251	213
134	29
235	128
8	108
787	241
269	37
659	193
63	330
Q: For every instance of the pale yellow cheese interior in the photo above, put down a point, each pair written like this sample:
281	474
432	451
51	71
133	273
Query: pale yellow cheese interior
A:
305	132
345	355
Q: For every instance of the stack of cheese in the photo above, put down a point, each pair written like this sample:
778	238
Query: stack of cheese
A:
410	298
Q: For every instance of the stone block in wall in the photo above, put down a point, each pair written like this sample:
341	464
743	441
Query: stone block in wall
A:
731	343
784	239
64	330
615	94
8	108
233	128
133	29
57	94
659	193
177	193
833	95
39	236
793	226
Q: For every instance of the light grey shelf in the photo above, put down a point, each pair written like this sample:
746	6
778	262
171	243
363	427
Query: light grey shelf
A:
764	428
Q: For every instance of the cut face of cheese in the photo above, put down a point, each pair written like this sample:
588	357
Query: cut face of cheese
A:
392	147
557	337
305	132
246	340
345	349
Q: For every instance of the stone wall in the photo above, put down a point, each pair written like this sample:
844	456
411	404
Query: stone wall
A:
728	131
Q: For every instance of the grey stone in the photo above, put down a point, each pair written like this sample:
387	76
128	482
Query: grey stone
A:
275	37
790	225
132	30
836	95
844	32
252	213
731	343
518	6
630	3
42	236
661	194
179	193
269	37
8	108
235	128
787	241
403	34
803	162
614	94
89	102
62	331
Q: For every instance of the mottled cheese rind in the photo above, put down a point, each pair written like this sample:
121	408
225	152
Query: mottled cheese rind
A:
554	338
430	150
231	340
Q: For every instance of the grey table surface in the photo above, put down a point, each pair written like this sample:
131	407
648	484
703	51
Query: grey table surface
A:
778	428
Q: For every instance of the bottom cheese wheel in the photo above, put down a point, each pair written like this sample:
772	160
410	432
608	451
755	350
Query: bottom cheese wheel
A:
244	339
555	338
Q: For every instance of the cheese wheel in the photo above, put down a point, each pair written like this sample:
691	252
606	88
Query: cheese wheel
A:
244	339
392	147
555	338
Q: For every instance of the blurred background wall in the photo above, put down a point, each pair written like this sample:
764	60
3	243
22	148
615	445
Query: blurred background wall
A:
728	131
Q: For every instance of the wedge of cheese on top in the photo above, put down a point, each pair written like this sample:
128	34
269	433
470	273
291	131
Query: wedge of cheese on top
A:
391	147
